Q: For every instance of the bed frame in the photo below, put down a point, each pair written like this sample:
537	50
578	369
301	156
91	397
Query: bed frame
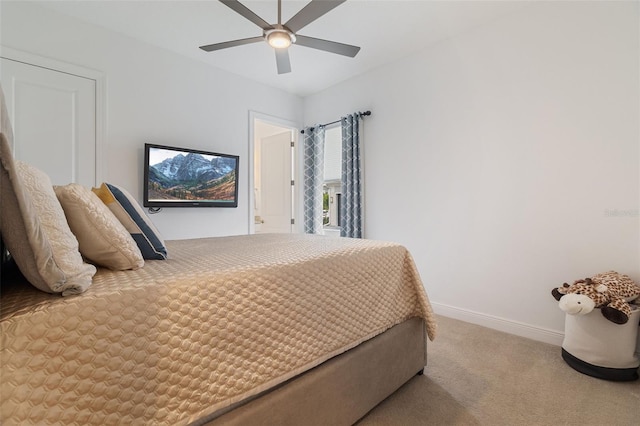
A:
341	390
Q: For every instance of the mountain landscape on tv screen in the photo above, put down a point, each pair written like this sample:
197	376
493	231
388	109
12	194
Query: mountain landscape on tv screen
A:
193	177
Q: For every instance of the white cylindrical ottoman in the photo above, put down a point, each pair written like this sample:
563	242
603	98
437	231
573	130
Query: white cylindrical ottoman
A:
597	347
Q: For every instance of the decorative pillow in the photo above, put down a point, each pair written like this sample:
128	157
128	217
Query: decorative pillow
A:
131	215
35	230
102	238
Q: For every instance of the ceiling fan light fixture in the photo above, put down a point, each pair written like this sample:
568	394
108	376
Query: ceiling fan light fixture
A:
279	39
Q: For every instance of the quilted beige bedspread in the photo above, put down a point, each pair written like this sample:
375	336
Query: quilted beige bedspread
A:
221	320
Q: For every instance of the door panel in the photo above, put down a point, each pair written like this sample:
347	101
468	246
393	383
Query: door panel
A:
54	120
275	183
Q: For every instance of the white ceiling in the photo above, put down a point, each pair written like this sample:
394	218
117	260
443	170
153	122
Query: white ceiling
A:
386	30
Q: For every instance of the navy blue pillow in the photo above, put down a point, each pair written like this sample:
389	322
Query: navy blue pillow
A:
134	219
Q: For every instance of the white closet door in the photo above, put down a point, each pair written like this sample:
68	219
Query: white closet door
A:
54	120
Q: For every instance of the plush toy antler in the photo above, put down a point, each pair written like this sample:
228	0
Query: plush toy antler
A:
609	291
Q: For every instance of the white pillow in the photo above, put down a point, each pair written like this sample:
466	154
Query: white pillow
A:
35	229
102	238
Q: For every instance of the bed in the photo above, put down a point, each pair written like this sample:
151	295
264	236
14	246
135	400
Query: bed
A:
104	323
231	330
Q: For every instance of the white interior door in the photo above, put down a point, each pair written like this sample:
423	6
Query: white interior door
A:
54	120
275	183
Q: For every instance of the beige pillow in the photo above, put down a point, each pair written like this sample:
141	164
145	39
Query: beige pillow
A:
102	238
35	230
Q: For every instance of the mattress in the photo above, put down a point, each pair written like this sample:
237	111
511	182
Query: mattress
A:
219	321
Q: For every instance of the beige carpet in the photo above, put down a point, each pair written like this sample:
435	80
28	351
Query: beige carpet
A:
479	376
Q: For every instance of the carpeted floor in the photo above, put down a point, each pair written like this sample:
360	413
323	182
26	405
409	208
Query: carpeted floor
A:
479	376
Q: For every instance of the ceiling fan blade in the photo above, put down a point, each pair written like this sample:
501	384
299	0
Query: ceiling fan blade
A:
224	45
311	12
247	13
282	60
328	46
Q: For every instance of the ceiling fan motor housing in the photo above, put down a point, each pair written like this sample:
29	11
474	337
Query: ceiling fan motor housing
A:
280	37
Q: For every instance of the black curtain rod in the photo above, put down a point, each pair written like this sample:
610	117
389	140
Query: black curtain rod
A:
361	114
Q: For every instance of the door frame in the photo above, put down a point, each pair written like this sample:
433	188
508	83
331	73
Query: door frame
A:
100	96
295	130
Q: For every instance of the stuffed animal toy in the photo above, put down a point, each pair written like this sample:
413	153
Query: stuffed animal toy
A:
610	291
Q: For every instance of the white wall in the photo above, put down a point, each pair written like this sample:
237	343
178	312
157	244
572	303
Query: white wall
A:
155	96
499	158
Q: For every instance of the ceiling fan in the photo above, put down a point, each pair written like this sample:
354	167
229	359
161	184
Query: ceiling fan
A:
281	36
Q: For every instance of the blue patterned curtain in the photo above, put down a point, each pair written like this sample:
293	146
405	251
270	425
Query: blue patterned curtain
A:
313	179
351	200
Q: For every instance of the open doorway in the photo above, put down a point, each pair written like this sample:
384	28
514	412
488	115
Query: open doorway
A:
272	175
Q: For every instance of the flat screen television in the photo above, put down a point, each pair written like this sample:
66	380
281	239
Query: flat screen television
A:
183	177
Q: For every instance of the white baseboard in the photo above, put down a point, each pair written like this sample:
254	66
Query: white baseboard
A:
500	324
